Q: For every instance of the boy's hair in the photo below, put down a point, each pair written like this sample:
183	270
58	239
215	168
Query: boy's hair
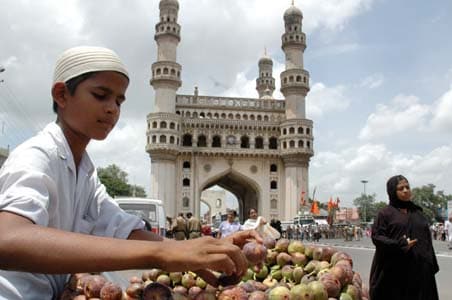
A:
72	85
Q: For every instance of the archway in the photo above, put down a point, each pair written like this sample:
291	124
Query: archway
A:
245	189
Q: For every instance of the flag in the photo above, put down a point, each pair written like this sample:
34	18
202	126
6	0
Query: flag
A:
315	208
302	200
337	202
330	204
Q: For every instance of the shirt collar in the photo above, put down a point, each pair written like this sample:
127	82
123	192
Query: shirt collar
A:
64	151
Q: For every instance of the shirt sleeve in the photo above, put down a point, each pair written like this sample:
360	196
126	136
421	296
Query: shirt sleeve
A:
111	220
26	186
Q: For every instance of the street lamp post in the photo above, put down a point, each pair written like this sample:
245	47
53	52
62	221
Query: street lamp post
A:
365	203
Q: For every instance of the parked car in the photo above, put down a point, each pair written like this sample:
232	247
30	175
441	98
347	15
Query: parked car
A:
150	210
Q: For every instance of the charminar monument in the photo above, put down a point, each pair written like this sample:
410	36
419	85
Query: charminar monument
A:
256	148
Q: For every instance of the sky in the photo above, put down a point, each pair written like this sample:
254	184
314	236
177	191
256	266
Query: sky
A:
381	78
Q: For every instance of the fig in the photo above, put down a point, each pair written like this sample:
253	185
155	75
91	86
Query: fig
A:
269	242
135	279
345	296
194	291
297	274
283	259
279	293
248	275
156	291
93	285
331	284
271	257
300	292
176	277
180	290
318	290
295	247
282	245
340	255
135	290
255	253
188	280
164	279
233	293
111	291
299	259
74	280
258	295
200	282
205	295
287	272
262	273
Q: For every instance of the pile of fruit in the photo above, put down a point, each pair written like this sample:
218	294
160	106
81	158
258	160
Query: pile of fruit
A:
280	269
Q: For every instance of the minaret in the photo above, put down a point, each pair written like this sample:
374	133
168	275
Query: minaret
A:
296	137
163	123
265	83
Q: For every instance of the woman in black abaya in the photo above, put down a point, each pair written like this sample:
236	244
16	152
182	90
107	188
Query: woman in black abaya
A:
404	264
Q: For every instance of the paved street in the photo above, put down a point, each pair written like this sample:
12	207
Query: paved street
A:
362	253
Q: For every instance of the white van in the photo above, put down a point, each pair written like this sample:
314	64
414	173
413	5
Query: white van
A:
150	210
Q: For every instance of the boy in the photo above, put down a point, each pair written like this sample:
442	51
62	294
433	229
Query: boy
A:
56	217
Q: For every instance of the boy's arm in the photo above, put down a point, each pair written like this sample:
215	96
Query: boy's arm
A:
25	246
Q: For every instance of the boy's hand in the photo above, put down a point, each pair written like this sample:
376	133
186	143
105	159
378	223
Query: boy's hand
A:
240	238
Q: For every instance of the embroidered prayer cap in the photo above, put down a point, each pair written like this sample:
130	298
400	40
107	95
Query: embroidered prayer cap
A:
84	59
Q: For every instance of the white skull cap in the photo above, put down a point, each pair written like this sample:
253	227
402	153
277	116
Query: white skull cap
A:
84	59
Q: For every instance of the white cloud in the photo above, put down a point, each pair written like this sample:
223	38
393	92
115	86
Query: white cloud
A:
442	113
322	99
403	113
373	81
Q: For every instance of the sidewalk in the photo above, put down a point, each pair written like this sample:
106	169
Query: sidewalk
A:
439	246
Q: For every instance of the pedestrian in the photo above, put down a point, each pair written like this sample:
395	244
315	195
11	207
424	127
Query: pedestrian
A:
404	263
448	227
56	217
259	224
193	227
230	225
180	227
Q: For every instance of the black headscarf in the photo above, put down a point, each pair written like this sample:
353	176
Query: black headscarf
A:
391	189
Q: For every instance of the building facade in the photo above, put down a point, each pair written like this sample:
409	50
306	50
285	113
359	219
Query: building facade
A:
258	149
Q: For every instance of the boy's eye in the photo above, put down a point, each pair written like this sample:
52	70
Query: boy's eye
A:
99	96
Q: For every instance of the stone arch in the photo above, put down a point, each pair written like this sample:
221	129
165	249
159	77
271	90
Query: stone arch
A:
247	190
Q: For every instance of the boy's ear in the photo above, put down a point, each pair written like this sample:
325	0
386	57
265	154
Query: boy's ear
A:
59	93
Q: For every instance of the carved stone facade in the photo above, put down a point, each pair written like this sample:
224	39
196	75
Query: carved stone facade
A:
258	149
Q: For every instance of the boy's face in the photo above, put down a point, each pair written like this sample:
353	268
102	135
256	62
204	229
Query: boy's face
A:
93	110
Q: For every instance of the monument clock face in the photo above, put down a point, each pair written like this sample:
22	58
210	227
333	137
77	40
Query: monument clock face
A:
231	140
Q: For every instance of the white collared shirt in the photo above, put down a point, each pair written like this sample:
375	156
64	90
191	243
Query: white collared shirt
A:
38	181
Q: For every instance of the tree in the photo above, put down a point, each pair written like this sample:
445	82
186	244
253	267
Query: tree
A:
366	206
432	204
116	183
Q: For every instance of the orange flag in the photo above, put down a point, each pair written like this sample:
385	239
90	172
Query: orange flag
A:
330	204
315	208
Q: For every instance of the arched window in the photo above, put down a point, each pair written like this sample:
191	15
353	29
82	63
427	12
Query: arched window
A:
187	140
202	141
291	130
186	165
273	204
284	145
163	139
273	168
284	131
216	141
308	144
292	144
172	125
185	202
300	144
186	182
308	131
244	142
259	143
273	143
154	139
171	139
163	124
300	130
273	185
154	124
218	203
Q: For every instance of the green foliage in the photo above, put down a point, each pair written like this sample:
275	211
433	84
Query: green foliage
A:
433	204
116	183
366	206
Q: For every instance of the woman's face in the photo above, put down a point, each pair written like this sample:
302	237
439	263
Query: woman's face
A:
231	217
253	214
403	190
